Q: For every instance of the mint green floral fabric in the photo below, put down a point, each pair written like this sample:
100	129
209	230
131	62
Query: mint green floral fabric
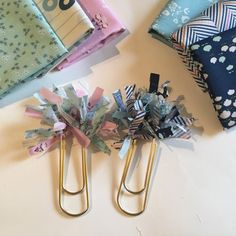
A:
28	46
174	15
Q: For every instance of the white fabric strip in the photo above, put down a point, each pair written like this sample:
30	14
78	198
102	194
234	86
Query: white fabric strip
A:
71	24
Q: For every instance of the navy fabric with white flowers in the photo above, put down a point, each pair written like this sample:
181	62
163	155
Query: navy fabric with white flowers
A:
217	62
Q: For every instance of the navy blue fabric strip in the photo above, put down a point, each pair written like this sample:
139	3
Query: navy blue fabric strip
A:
154	82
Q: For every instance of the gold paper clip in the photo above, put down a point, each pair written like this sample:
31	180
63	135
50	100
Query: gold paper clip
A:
148	175
63	190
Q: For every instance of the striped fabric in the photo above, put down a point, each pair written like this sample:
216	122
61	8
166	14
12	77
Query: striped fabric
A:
179	132
138	105
130	106
155	113
138	120
183	121
129	90
218	18
146	137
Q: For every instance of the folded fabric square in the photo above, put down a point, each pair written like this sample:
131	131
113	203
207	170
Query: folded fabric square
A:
68	20
174	15
27	44
217	59
107	27
217	18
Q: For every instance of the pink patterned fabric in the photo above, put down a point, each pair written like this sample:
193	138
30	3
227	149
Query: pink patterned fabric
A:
107	27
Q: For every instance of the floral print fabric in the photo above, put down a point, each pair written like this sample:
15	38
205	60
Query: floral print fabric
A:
216	58
28	46
174	15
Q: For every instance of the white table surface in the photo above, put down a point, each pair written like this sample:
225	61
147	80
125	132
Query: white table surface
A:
193	190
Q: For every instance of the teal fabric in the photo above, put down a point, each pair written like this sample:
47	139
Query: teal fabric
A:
175	14
28	46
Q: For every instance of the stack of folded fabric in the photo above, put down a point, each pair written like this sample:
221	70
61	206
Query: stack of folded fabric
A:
217	57
28	45
107	28
175	14
207	46
37	35
71	24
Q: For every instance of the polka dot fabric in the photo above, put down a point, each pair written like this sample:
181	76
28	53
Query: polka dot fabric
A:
217	64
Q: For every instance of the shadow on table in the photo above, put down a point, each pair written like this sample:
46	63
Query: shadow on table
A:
12	145
134	176
75	159
12	137
61	77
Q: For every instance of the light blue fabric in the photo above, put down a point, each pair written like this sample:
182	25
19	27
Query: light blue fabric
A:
174	15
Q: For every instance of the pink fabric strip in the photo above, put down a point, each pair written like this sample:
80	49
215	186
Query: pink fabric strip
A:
33	113
96	96
107	27
50	96
108	128
82	139
44	146
80	93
